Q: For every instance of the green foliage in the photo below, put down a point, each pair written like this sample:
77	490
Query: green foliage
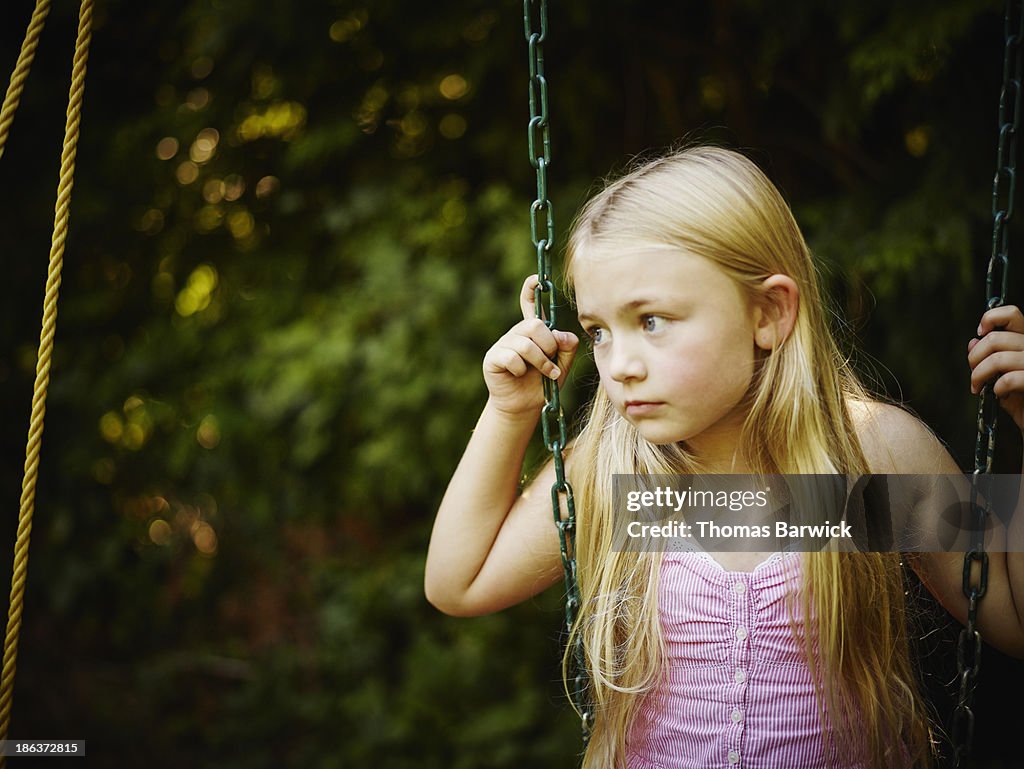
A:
296	228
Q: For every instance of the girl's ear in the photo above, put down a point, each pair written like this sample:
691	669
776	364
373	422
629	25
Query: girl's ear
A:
775	313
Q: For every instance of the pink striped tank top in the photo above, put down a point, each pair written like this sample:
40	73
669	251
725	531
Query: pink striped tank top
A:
737	692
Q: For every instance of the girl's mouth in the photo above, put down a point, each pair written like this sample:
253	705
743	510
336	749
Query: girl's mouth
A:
641	408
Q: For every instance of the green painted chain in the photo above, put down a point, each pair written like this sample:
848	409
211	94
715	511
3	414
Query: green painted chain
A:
1004	186
542	232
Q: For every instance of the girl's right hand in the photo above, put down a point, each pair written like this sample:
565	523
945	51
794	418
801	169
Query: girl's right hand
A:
513	367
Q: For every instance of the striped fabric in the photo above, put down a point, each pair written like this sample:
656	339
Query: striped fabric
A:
737	692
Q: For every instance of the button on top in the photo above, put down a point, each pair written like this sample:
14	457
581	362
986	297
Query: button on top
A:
741	632
739	587
736	715
740	676
734	757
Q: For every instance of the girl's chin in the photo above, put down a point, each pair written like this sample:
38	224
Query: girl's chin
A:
659	435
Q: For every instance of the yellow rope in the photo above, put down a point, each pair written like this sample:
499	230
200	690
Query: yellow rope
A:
20	74
35	431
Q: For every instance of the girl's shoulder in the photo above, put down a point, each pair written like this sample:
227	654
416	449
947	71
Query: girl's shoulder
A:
895	441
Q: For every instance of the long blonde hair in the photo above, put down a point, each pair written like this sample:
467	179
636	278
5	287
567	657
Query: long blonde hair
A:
717	204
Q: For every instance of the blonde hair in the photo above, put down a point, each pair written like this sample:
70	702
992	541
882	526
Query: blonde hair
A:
717	204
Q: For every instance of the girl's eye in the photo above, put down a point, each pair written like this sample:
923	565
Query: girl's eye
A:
595	333
652	322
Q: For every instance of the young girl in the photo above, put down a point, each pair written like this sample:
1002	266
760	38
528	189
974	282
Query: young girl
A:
701	303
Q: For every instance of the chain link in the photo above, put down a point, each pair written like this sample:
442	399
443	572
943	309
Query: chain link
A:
1004	188
542	232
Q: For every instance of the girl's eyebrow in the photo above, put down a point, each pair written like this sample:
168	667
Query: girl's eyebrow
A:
625	308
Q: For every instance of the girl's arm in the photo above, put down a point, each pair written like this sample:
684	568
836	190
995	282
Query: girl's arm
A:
899	443
896	442
490	548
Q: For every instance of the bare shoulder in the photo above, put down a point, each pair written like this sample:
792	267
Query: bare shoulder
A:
896	441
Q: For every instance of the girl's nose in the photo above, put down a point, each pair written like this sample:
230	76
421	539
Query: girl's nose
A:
626	364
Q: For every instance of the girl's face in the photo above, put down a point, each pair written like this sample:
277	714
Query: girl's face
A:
673	340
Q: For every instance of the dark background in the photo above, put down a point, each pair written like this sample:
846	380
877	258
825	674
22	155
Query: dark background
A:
268	349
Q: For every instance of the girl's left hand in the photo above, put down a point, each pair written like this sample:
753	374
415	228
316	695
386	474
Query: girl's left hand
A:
999	352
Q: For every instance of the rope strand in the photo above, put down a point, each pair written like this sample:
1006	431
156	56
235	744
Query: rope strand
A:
49	326
28	51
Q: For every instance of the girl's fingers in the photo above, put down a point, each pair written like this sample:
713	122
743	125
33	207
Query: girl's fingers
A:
526	350
1010	383
526	303
568	343
535	330
533	354
996	341
507	360
533	343
996	364
1006	318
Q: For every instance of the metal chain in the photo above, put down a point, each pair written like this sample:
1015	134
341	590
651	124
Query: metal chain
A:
1004	185
542	232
